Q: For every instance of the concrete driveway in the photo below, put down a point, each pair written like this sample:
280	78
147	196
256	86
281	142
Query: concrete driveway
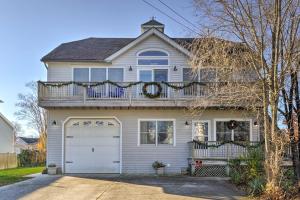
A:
44	187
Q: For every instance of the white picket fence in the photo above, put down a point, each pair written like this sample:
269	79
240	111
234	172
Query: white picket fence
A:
8	160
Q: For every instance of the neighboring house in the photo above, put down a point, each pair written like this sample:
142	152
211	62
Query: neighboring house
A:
7	135
25	143
96	127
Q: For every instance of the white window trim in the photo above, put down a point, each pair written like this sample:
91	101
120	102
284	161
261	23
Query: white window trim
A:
209	128
151	68
199	72
98	67
153	57
228	119
156	141
152	49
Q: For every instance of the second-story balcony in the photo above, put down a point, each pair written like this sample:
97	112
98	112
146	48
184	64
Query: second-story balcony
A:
122	94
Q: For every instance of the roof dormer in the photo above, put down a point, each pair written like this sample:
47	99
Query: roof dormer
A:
152	24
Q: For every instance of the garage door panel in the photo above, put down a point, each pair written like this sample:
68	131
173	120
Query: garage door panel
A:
93	141
92	146
83	152
92	130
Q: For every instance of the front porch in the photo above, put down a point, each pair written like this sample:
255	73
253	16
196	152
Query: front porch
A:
212	158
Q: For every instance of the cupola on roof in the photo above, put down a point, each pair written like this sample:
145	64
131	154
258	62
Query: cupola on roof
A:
152	23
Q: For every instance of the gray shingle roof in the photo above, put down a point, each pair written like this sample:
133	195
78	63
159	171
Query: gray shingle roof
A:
94	49
152	22
29	140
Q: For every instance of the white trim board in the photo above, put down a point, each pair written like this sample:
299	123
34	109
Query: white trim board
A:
89	117
142	37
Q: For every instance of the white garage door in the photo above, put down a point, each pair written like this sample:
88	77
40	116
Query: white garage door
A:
92	146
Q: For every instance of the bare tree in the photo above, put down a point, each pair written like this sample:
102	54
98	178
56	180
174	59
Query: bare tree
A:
17	128
266	35
32	113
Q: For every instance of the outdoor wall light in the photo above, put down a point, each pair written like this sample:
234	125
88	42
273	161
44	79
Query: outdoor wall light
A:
130	68
54	123
186	123
175	68
255	123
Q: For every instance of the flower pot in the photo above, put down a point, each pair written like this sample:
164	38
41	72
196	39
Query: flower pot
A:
160	171
52	170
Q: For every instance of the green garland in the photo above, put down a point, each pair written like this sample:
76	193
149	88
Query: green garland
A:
246	145
92	84
150	95
182	87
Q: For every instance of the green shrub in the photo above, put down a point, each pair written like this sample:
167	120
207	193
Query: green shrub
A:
256	186
29	158
248	171
288	180
254	162
237	172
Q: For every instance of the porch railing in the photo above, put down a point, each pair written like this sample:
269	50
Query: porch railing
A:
225	150
90	91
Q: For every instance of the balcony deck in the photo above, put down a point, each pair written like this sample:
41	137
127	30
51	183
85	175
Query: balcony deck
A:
70	94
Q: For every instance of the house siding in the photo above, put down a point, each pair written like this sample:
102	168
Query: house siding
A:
63	71
138	159
6	137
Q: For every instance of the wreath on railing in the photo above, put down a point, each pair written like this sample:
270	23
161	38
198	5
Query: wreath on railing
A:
149	94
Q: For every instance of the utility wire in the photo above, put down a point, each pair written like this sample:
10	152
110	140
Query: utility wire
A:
170	17
182	17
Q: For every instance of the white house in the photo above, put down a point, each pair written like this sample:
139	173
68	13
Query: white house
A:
25	143
117	126
7	135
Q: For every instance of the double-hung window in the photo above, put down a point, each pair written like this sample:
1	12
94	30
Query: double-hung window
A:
240	133
156	132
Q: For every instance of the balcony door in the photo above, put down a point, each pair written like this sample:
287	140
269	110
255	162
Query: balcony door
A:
156	75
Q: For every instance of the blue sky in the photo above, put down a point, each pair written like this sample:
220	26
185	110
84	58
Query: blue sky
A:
30	29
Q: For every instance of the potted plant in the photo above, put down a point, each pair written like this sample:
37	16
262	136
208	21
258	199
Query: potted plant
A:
159	167
52	169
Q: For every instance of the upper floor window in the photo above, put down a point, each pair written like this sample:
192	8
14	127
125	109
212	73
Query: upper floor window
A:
98	74
153	57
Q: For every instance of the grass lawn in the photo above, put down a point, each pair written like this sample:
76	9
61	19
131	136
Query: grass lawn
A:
9	176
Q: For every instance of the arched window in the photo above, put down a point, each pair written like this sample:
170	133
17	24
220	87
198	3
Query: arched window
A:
153	57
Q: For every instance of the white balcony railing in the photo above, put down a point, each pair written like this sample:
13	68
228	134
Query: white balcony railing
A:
109	91
226	150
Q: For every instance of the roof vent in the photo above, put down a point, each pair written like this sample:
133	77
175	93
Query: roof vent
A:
152	24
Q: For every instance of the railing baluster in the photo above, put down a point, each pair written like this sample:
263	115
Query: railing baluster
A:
109	91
